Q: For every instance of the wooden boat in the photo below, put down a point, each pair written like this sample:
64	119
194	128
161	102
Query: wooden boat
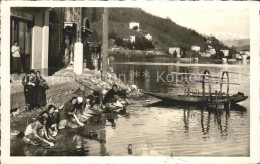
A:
218	99
198	98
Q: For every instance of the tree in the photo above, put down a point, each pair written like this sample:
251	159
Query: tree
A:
118	41
94	36
112	35
175	54
194	54
219	54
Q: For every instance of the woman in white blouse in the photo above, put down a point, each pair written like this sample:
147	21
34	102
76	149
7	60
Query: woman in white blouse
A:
16	58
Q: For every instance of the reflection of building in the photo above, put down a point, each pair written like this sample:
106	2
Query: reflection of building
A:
195	48
131	79
133	24
225	52
147	80
176	50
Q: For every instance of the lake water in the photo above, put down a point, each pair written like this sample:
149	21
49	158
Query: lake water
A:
160	129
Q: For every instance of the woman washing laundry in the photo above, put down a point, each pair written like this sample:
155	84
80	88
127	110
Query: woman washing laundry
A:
111	99
35	131
111	95
81	114
52	119
94	101
68	114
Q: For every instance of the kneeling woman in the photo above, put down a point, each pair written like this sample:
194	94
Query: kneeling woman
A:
52	115
68	113
33	129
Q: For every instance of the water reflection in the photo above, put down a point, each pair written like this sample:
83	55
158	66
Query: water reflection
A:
159	128
186	115
220	118
84	141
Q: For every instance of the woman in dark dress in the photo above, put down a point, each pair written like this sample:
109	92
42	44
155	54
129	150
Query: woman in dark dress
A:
25	82
110	96
32	90
41	90
94	99
52	119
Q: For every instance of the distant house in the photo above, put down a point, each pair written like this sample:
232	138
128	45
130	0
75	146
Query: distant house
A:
112	41
148	36
206	54
149	53
133	24
238	56
195	48
245	52
126	39
175	49
115	49
225	52
132	39
212	51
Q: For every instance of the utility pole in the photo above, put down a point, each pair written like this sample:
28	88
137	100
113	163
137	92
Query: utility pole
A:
105	44
78	48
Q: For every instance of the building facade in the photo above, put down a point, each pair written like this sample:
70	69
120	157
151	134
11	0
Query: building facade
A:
148	37
30	27
225	52
176	50
212	51
133	24
45	36
245	52
195	48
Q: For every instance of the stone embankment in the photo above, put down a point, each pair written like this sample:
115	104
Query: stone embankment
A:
65	84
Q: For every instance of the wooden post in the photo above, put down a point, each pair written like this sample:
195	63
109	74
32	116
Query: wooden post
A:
105	44
78	47
78	13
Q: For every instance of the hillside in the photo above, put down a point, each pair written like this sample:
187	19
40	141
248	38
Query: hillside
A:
241	44
164	31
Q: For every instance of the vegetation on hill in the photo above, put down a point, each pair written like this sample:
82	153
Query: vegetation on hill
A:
164	31
240	45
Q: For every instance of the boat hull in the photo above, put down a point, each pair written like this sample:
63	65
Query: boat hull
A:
198	98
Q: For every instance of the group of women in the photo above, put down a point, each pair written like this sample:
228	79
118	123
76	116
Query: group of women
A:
72	114
35	88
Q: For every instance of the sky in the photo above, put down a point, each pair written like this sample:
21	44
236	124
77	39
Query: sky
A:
222	23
